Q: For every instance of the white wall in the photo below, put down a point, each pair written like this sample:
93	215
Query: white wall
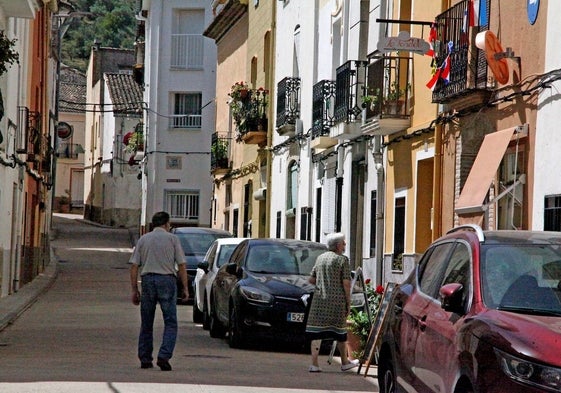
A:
193	145
548	137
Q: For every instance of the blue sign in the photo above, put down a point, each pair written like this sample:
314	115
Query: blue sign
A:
533	7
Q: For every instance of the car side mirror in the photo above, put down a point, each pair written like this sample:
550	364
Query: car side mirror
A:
451	297
232	268
203	265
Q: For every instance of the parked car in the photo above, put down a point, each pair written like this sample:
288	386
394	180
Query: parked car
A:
480	313
195	242
263	291
217	255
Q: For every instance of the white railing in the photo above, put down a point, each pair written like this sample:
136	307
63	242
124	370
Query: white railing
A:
185	121
187	51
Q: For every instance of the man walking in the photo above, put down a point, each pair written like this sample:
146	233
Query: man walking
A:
159	257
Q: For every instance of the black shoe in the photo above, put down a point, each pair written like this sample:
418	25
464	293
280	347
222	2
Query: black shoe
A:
163	364
146	365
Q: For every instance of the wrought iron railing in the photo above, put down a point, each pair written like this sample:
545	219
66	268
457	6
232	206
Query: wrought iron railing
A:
69	150
349	83
468	67
387	90
219	152
288	101
323	108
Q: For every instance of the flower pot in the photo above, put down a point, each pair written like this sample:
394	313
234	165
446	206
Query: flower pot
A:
354	347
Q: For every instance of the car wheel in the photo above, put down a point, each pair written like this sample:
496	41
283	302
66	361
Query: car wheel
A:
386	375
215	328
206	318
197	314
235	333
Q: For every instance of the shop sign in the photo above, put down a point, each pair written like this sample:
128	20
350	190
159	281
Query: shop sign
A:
403	43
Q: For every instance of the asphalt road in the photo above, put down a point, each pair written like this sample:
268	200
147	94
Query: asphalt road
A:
81	334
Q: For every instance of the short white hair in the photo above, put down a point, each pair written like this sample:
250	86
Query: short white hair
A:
333	239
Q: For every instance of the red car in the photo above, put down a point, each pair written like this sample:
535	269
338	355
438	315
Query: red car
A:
480	313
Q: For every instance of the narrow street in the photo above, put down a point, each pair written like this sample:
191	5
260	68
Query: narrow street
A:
81	334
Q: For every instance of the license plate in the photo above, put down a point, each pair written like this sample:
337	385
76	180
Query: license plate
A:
295	317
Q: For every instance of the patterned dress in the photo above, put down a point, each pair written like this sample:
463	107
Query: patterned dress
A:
328	310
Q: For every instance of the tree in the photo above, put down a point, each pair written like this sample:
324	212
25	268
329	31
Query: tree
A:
114	25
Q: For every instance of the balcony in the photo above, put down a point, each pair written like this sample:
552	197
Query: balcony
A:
185	121
187	51
69	150
288	106
386	95
219	153
468	66
226	14
249	111
349	83
323	117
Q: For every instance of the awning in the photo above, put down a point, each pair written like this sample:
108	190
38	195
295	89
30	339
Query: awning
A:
483	171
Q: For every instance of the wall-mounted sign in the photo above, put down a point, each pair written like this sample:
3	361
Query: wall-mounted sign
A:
404	43
532	6
64	130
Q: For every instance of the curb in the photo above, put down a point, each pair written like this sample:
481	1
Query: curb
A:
12	306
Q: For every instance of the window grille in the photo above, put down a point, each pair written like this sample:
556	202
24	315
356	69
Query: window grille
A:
183	205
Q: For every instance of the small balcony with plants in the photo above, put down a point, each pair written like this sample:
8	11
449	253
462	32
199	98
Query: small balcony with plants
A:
350	79
249	111
288	105
386	95
323	117
219	153
468	82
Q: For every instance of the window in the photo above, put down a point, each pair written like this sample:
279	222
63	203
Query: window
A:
430	269
510	207
187	49
458	270
187	110
183	205
373	221
552	213
292	194
399	234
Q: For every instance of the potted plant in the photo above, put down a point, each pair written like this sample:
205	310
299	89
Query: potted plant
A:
134	141
359	322
393	100
249	108
371	98
219	153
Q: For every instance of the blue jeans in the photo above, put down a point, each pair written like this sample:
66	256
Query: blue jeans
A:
157	289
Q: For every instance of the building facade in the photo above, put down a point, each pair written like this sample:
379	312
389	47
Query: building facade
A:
179	66
27	84
244	35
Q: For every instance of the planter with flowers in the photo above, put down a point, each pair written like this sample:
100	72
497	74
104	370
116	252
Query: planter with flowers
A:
359	322
134	143
249	111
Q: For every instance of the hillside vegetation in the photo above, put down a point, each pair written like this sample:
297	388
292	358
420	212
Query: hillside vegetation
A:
114	25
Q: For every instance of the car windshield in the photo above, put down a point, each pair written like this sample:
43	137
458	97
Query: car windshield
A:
197	243
281	259
522	278
224	254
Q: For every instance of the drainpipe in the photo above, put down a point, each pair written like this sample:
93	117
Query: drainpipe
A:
380	202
